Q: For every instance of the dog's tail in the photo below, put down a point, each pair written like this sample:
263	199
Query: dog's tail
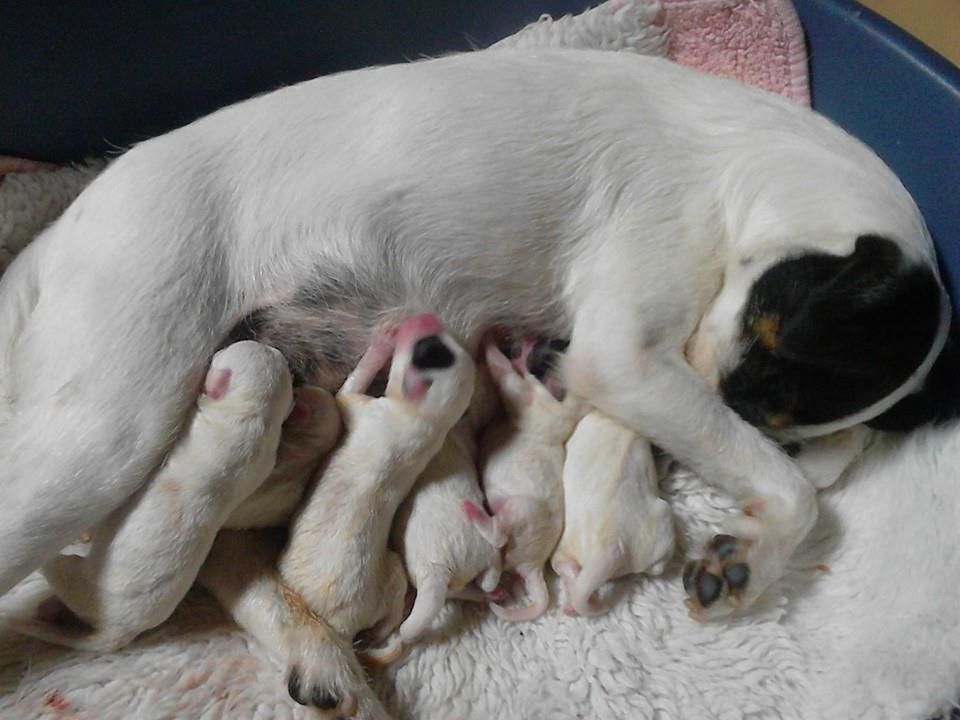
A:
99	390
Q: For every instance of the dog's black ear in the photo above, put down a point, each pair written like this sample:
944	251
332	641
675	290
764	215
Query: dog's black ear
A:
937	401
870	312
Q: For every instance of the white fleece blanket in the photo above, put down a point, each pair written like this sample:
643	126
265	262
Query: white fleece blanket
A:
877	636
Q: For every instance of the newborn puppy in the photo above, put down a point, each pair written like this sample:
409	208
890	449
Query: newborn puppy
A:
146	555
440	546
336	558
615	523
309	434
522	462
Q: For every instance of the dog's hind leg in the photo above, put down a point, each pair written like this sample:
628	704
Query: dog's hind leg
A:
100	394
322	669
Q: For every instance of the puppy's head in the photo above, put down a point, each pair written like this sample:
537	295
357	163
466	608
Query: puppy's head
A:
430	370
823	341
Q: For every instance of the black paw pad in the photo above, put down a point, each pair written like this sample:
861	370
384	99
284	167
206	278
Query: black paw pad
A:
295	687
709	587
723	547
324	699
737	576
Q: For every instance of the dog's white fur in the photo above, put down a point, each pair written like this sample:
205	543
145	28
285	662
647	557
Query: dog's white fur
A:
441	549
613	197
521	460
144	557
308	436
615	522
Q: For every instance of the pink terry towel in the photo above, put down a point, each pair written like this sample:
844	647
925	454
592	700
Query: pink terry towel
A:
759	42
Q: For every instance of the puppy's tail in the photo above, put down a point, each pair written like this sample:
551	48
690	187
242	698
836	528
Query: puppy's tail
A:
591	577
539	599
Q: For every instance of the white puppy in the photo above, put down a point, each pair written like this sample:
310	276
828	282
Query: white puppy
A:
144	557
309	434
635	206
615	523
441	548
522	464
336	557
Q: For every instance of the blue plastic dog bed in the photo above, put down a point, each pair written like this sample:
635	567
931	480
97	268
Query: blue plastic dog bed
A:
78	82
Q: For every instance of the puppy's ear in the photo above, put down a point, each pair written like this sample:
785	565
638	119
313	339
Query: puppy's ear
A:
937	400
873	312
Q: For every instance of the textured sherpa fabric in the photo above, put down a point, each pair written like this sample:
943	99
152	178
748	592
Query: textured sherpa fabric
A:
865	625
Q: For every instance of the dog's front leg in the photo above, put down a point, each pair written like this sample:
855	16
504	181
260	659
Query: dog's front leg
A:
648	386
240	573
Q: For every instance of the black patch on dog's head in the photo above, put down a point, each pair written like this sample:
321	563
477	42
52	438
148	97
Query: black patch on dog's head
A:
829	335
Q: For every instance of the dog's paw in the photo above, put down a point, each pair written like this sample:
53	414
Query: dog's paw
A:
305	691
738	567
721	576
322	673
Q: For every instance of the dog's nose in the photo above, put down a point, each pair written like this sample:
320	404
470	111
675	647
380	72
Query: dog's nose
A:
431	353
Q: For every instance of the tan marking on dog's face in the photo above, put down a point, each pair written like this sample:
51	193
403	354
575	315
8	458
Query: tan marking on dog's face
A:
779	420
767	330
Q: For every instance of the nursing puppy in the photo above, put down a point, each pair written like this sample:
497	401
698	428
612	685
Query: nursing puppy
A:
442	550
522	465
646	211
143	558
309	434
615	522
337	558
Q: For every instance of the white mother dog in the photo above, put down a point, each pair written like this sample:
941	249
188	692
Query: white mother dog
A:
637	207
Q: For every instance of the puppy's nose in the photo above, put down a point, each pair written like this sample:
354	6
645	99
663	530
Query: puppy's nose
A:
431	353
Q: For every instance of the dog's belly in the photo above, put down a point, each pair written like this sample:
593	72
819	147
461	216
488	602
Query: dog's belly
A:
325	327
